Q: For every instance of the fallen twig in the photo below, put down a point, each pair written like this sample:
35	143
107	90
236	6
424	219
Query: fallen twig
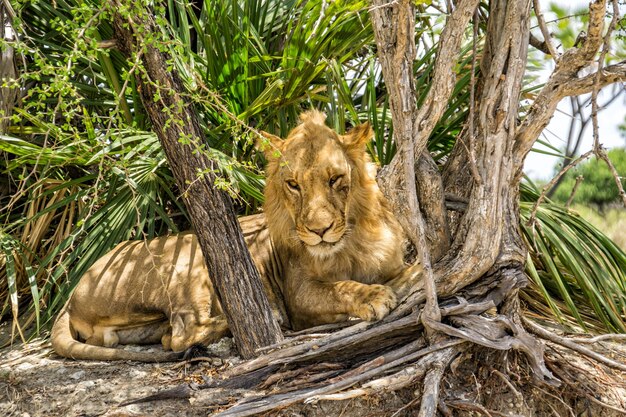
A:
472	406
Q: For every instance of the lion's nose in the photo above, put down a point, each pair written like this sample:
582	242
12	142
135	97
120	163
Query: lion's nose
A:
321	231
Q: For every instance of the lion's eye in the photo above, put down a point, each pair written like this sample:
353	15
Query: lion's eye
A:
334	180
293	185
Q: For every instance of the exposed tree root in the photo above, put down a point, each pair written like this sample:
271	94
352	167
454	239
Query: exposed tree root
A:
368	359
544	334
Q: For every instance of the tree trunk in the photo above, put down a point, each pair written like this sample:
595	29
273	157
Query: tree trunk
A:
8	95
231	269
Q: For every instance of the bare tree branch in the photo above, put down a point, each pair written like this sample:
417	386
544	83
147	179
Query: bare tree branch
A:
544	31
599	151
539	44
564	82
608	75
579	179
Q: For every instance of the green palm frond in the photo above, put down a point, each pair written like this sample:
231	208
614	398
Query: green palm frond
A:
579	271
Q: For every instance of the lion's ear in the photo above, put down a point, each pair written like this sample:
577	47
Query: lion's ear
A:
357	138
271	145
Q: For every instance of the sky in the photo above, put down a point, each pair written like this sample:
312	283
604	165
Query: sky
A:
542	167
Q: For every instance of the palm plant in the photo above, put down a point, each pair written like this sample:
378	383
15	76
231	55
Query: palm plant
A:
87	173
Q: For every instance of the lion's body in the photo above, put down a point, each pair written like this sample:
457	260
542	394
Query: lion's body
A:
327	245
156	291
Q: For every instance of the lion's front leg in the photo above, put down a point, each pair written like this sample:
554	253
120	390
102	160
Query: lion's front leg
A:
368	302
312	302
406	280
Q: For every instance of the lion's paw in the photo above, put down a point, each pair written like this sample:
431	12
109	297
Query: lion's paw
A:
373	302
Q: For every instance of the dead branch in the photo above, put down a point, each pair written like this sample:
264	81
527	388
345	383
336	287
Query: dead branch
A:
499	333
573	145
598	150
597	339
601	153
472	406
539	44
508	383
579	179
544	334
398	380
596	82
254	405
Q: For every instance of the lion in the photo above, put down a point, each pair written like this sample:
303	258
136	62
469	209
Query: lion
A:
327	247
343	248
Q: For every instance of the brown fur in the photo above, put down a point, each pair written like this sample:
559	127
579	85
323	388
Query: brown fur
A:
323	184
145	292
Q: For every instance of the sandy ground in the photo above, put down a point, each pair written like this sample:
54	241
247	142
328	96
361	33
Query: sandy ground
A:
36	382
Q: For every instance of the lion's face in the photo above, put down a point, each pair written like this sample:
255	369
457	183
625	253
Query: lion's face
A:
312	179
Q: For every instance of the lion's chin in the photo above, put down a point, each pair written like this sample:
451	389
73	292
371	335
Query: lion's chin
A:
325	249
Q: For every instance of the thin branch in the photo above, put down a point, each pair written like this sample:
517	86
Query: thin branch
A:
432	382
573	146
597	75
619	337
539	44
579	179
605	405
543	333
601	153
508	382
472	406
544	31
598	150
553	181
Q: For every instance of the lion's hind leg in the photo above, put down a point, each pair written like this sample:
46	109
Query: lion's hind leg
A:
144	334
189	330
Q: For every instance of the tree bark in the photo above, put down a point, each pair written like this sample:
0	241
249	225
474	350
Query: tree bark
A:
8	95
174	119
